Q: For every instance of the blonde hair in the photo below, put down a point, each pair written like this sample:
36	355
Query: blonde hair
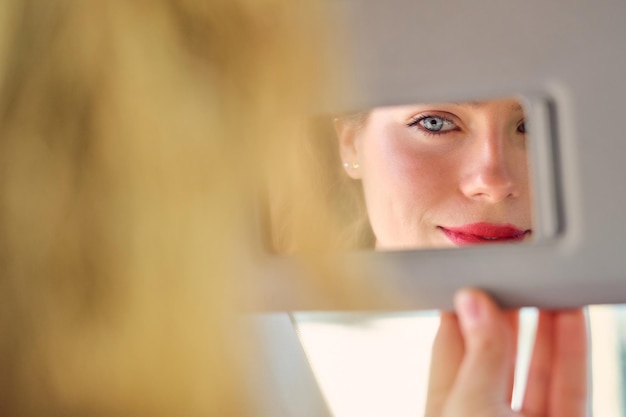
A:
134	136
331	193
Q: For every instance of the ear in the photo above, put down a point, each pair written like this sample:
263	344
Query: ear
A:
349	140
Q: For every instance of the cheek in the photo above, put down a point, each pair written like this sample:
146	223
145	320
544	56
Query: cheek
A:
405	182
522	176
410	171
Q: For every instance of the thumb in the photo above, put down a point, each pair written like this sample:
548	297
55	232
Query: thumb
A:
482	384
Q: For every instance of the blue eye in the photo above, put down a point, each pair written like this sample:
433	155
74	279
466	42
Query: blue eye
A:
433	124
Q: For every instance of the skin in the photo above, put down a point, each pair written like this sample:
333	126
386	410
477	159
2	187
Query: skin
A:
473	355
417	181
473	169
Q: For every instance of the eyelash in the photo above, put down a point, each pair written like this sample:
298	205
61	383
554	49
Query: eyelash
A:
415	123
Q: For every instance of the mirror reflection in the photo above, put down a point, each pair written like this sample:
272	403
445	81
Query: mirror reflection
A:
441	175
437	175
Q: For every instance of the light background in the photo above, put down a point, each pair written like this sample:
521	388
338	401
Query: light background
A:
373	365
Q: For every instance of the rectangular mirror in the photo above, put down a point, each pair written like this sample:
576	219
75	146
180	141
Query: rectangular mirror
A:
425	176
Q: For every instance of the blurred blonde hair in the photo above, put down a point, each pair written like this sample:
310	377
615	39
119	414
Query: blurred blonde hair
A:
134	137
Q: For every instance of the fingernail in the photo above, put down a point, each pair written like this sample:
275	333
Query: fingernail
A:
468	307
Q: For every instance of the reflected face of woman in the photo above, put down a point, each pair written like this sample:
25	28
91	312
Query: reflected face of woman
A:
442	175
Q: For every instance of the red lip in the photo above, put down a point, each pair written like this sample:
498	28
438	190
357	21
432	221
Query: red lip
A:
482	233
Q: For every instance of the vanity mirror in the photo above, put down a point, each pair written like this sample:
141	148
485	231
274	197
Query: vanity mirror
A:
424	176
401	52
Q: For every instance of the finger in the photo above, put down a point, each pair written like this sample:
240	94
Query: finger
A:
483	377
568	388
446	358
540	370
512	318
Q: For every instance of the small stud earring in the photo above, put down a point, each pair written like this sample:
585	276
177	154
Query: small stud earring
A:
346	165
355	165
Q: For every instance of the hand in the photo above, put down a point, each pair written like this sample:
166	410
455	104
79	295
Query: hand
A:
474	356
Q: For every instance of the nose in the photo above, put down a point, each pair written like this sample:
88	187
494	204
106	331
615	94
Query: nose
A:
489	172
